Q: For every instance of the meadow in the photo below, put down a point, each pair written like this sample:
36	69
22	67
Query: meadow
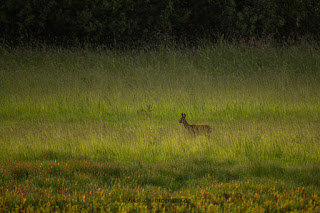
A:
98	130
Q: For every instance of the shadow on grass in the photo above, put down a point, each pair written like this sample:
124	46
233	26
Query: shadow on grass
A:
44	156
304	175
173	175
183	173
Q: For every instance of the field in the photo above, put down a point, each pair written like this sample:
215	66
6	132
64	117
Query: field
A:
98	130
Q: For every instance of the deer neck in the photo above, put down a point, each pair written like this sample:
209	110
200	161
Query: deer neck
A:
186	125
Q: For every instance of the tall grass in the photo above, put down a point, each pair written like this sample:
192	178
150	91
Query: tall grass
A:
98	129
263	103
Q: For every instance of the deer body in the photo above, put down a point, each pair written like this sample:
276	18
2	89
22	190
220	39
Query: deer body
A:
195	129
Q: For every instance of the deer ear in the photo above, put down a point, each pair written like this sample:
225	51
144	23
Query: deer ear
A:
181	114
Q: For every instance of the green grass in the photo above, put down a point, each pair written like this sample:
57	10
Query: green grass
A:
98	130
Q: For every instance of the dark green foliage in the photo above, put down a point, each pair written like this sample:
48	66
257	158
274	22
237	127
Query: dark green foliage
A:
111	22
19	173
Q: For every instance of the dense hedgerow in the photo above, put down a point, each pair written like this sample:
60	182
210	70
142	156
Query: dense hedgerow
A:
127	21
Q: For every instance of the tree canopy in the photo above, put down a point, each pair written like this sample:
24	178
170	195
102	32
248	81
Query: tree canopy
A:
126	21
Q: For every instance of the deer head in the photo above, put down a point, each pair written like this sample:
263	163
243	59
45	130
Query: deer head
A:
183	118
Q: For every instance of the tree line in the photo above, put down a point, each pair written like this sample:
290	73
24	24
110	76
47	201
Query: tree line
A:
127	21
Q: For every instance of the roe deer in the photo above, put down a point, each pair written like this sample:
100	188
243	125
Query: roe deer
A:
195	129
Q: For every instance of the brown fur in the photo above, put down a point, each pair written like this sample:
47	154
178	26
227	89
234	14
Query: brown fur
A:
195	129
